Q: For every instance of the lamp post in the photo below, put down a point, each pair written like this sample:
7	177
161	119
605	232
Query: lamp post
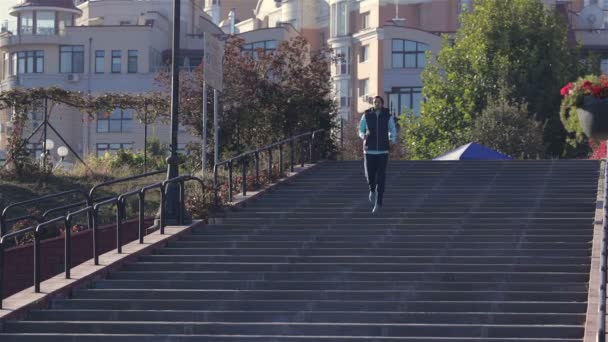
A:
172	198
62	152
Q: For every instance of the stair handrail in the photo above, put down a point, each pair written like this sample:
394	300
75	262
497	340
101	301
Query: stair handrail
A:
243	158
92	212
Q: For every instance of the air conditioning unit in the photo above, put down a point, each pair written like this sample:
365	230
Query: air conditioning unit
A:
73	77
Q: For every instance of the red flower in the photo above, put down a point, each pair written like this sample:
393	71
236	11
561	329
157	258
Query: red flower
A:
566	89
587	85
596	91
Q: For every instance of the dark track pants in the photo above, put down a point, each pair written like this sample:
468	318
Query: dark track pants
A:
375	172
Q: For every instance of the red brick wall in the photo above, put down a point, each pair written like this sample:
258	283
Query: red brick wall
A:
18	270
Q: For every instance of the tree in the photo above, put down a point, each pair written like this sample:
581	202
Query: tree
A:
507	127
266	96
518	44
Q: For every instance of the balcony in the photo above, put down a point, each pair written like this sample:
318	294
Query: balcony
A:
590	39
9	40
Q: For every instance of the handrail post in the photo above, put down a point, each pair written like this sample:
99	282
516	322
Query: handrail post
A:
2	227
162	209
182	201
257	170
244	175
141	217
1	271
36	261
302	142
310	144
215	184
68	246
280	160
95	237
120	203
270	165
291	150
230	181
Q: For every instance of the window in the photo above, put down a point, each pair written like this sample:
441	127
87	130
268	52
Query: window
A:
265	46
400	99
124	23
28	62
65	19
100	61
71	59
604	66
363	87
364	53
364	21
343	93
45	23
112	148
342	61
116	61
408	54
26	19
119	121
342	19
132	62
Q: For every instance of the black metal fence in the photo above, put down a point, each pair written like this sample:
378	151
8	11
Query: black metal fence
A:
91	204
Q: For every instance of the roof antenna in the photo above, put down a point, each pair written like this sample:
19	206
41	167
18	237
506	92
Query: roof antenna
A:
396	20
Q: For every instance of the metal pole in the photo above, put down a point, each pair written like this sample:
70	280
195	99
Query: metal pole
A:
44	152
68	247
141	216
601	332
216	128
204	153
145	140
36	262
172	202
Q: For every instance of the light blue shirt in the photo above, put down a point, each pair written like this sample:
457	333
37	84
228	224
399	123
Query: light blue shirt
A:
392	132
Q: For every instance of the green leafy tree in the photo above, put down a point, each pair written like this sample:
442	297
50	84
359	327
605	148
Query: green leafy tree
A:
518	44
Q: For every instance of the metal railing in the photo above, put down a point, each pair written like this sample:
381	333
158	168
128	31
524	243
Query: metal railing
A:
601	331
92	211
244	158
93	204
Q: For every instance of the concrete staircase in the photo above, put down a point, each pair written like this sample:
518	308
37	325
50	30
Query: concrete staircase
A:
462	251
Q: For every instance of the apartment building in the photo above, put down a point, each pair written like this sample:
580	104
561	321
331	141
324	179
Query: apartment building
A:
94	47
119	45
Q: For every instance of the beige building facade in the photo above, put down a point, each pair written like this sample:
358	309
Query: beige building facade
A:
96	47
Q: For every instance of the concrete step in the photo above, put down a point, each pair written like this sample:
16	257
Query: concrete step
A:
312	295
307	317
346	276
568	307
160	283
379	244
352	267
411	252
367	259
454	237
306	329
240	338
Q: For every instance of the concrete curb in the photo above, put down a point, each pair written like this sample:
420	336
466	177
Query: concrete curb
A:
592	317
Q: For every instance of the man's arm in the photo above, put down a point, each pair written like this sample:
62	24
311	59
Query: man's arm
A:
392	130
362	127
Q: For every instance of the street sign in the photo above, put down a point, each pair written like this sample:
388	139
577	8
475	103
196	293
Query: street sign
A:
214	55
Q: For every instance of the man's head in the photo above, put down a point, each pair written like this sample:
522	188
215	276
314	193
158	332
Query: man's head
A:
378	102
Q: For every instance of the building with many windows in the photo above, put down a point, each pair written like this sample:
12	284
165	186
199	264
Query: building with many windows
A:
119	45
95	47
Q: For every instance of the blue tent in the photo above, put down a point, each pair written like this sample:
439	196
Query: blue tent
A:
473	151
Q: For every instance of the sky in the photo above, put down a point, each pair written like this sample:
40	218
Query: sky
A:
4	6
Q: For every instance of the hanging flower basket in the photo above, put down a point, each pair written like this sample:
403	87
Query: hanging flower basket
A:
584	108
593	117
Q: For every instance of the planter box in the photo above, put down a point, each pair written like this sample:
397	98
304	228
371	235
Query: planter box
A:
593	117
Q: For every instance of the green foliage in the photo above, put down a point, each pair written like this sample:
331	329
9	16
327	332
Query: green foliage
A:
507	127
519	45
